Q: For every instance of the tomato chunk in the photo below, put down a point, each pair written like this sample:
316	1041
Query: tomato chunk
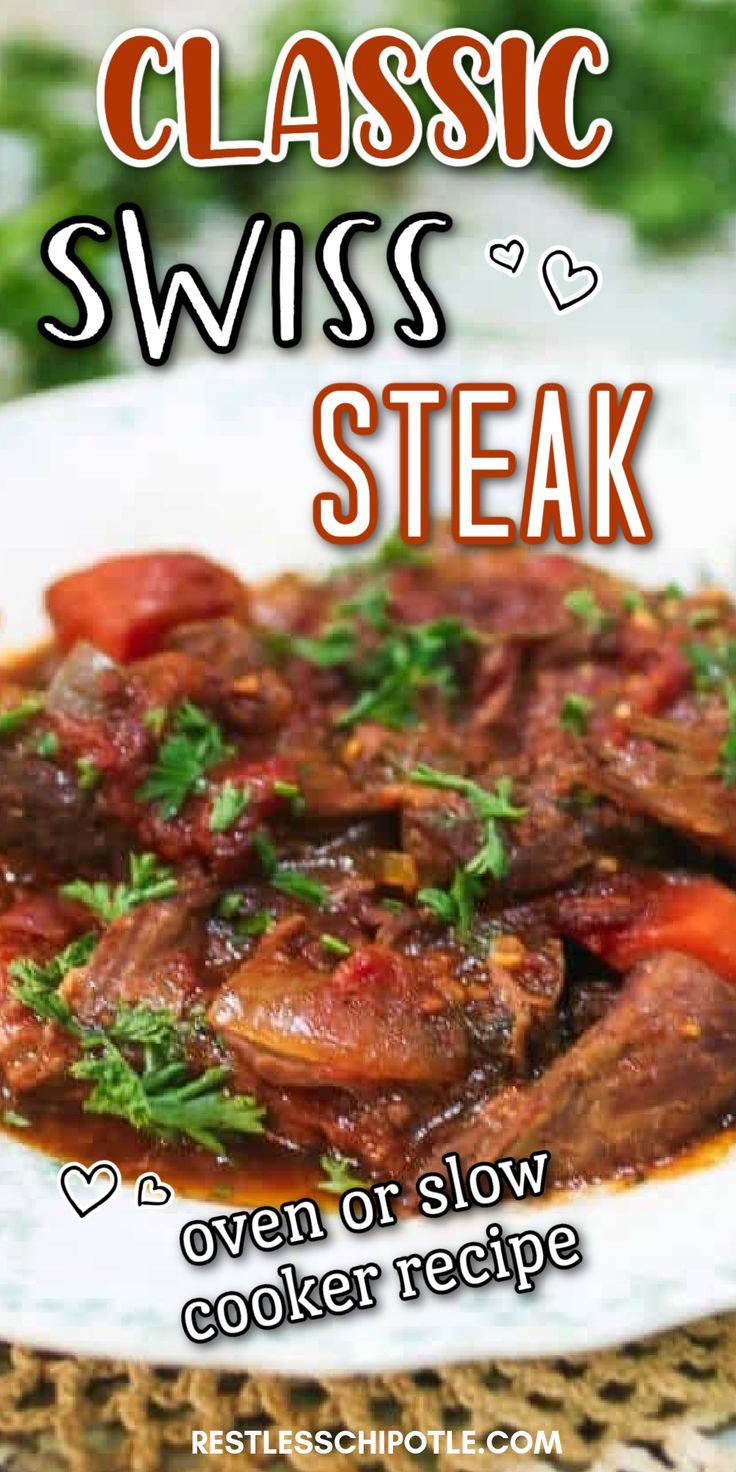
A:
694	915
126	605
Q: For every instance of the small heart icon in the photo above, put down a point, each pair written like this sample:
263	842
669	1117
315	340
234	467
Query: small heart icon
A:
507	255
567	281
152	1191
86	1189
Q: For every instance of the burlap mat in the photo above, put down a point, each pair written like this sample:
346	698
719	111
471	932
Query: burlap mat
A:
645	1407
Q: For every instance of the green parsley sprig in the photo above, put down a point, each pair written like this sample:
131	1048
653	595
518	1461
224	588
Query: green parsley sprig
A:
583	605
229	804
16	716
194	744
339	1176
148	881
286	879
159	1095
399	663
575	713
456	905
36	983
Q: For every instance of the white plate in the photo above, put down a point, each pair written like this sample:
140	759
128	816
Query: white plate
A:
219	457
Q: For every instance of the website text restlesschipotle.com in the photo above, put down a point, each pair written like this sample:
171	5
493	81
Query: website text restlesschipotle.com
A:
378	1442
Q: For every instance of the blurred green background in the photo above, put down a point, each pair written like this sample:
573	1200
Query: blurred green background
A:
669	176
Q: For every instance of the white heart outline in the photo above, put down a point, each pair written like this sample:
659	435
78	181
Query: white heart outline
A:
505	243
88	1173
157	1184
573	266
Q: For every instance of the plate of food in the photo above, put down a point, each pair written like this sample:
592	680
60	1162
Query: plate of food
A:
322	870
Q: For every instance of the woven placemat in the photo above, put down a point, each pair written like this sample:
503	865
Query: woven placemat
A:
640	1408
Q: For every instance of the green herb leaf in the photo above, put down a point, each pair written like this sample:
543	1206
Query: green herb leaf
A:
165	1101
11	720
149	880
155	719
195	744
575	712
632	602
334	944
392	672
395	552
728	749
88	774
336	645
456	906
488	808
292	792
46	744
712	664
229	804
339	1176
229	905
37	983
583	603
287	880
15	1121
299	886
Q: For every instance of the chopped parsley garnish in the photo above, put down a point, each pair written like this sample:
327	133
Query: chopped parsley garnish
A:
229	905
487	807
672	591
714	668
339	1176
15	1121
336	645
292	793
456	905
158	1095
229	804
194	744
16	716
334	944
230	908
393	669
395	552
584	605
88	774
46	744
727	754
284	878
163	1099
36	983
149	880
712	664
632	601
299	886
575	713
256	924
155	719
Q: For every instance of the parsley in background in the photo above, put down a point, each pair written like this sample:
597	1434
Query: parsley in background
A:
670	170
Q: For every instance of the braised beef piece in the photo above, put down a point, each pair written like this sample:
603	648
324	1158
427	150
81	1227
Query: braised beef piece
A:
47	818
652	1075
373	1046
152	955
669	772
33	1052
